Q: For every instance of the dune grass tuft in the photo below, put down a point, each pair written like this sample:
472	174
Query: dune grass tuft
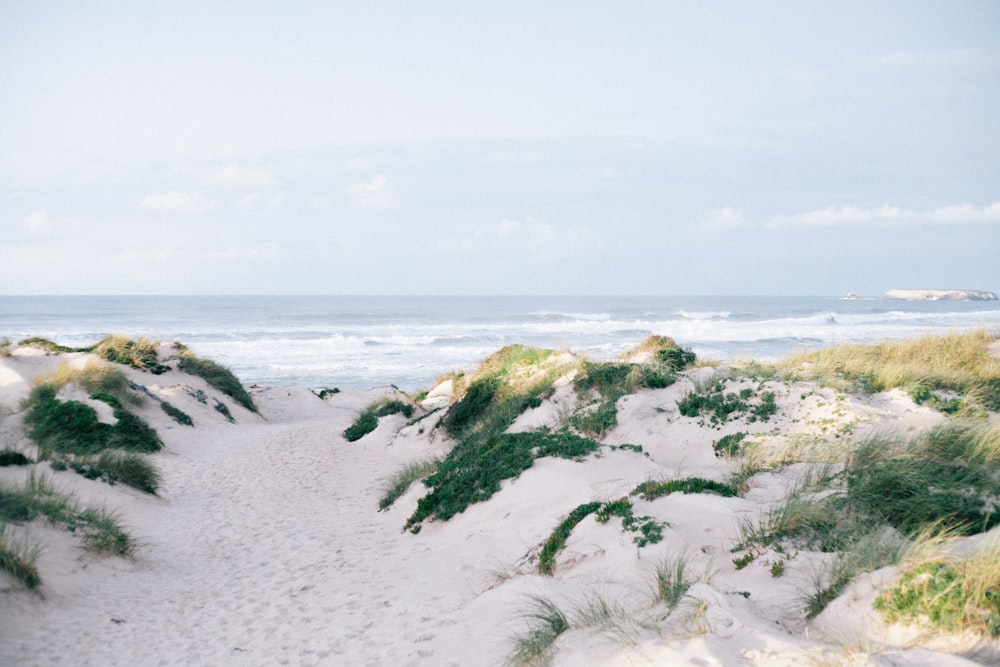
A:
401	481
100	529
959	362
18	559
949	593
557	540
216	375
142	354
533	648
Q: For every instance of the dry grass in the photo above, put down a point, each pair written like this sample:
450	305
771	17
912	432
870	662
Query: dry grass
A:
959	362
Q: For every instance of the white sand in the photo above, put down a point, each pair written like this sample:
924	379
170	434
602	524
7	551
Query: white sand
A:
265	546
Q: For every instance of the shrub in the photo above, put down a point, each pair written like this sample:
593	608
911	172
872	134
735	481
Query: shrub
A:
218	376
719	406
649	530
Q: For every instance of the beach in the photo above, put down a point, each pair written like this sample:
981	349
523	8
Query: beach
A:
265	545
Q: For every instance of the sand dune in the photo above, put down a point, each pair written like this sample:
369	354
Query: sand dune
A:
264	545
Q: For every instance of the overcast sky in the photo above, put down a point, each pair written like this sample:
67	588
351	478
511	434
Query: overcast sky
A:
499	147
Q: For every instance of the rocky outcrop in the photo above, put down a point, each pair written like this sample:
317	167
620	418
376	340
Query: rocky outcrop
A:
940	295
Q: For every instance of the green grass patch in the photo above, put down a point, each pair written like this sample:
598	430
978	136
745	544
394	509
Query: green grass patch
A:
217	376
647	529
51	347
729	445
472	471
671	582
719	406
119	468
557	540
651	490
175	413
367	421
73	427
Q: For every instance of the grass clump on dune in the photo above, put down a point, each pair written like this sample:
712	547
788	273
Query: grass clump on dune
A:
612	380
142	354
116	467
100	530
214	374
557	540
949	593
472	471
545	623
400	482
18	559
651	490
367	421
959	362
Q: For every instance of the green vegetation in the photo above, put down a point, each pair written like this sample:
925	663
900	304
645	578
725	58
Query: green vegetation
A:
100	530
218	376
18	560
472	472
142	354
959	362
720	406
557	540
115	467
400	482
670	581
5	345
73	427
729	445
367	421
178	415
867	552
11	457
649	530
327	391
50	347
545	623
949	593
651	490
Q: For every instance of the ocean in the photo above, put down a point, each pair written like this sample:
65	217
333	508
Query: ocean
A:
409	341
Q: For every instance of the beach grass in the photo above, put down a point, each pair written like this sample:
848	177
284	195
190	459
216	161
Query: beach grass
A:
671	581
958	362
400	482
142	354
557	540
534	647
100	529
947	592
18	559
214	374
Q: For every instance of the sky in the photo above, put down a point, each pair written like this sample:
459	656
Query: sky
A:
448	147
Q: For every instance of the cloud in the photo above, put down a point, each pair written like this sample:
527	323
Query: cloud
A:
372	194
239	177
855	216
35	223
723	218
176	202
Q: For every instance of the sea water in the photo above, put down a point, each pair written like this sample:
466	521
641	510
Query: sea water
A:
408	341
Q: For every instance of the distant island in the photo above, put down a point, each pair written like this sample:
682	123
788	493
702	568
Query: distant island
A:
940	295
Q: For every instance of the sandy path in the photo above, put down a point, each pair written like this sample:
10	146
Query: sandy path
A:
266	549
